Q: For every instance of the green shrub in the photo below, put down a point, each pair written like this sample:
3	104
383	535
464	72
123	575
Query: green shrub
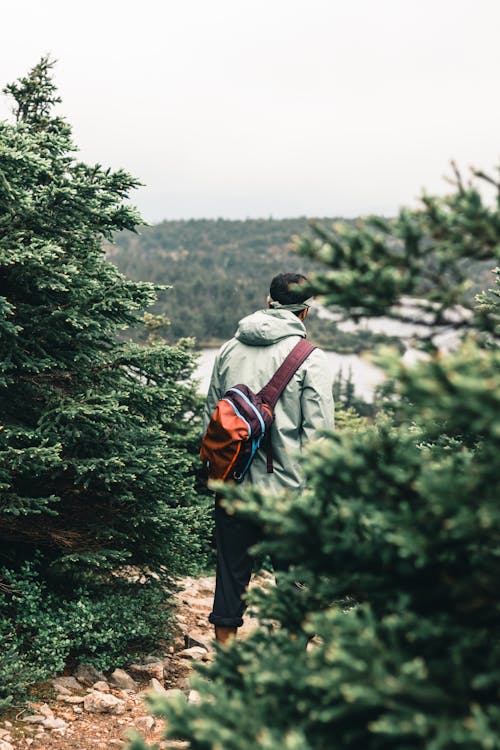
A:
42	628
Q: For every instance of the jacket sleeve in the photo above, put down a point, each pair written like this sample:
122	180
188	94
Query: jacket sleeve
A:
316	399
214	393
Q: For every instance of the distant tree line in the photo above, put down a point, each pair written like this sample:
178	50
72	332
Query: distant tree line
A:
219	271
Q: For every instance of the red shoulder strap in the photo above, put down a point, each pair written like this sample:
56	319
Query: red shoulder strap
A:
271	392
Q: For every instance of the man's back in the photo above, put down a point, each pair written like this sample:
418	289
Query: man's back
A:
260	345
305	408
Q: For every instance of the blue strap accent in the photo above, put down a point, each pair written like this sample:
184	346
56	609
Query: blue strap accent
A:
255	445
238	414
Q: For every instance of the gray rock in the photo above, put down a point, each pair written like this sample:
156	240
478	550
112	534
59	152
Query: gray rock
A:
103	703
88	675
54	723
73	699
198	638
144	724
61	697
66	684
101	686
42	708
194	696
156	686
123	680
4	745
34	719
195	653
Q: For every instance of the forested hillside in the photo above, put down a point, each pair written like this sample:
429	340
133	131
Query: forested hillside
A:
219	270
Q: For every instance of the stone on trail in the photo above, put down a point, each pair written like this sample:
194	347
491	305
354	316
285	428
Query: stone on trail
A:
103	703
156	686
198	638
4	745
123	680
42	708
88	675
34	719
144	724
72	699
195	653
101	686
54	723
61	684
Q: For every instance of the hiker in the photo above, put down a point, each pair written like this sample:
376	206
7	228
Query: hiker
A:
305	408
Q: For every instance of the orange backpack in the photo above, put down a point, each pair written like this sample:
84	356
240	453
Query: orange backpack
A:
241	422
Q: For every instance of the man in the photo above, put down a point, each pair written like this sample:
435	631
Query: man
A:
305	408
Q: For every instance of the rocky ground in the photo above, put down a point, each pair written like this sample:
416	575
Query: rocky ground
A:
89	710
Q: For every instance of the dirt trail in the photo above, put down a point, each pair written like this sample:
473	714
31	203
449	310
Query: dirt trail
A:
68	723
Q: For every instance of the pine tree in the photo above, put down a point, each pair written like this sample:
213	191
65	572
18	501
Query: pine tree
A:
395	538
97	500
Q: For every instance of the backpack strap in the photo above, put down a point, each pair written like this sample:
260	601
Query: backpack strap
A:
271	392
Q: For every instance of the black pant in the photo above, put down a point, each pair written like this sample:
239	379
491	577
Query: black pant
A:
234	536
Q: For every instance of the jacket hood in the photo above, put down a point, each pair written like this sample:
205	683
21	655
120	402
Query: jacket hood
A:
266	327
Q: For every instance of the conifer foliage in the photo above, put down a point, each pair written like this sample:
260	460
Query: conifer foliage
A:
97	498
396	538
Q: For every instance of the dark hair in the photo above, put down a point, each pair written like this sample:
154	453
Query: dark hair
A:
288	289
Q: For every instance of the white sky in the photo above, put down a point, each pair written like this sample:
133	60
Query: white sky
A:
239	108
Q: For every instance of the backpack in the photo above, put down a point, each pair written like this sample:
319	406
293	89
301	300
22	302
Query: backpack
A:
241	422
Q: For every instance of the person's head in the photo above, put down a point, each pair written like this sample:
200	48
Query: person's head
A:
287	291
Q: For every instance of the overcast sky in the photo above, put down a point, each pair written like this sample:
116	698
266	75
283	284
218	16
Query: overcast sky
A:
237	108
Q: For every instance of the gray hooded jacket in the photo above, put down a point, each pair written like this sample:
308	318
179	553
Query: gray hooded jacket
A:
304	409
